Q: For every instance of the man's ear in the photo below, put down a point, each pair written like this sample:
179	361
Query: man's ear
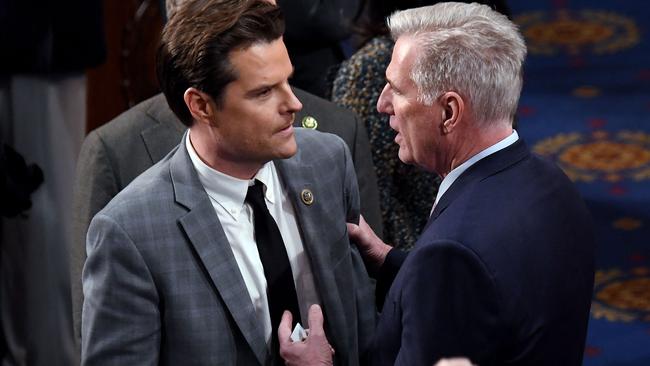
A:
453	108
200	105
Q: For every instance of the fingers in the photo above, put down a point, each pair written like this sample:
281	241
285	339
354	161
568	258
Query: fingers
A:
365	229
315	320
359	233
284	329
362	233
454	362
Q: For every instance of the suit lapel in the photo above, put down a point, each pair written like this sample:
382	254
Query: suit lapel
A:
296	176
165	133
482	169
206	235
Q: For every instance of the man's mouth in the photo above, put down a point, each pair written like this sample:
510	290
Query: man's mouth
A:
288	129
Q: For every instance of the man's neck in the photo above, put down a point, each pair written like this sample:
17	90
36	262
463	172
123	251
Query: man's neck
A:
205	147
475	141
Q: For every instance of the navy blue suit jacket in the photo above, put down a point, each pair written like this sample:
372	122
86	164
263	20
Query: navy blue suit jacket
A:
502	274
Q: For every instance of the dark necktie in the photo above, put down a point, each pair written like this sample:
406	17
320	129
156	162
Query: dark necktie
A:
281	292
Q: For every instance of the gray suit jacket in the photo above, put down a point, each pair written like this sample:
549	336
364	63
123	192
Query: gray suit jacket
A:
162	285
114	154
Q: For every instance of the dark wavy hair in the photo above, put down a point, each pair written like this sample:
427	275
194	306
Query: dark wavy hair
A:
197	40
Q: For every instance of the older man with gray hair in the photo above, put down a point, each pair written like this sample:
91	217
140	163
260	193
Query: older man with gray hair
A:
503	272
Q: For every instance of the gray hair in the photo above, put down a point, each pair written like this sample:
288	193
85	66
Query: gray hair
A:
467	48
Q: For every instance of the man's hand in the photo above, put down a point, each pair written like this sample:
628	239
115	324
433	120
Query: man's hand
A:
315	350
373	249
454	362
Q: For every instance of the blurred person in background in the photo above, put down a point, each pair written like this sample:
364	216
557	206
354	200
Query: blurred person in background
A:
314	36
47	46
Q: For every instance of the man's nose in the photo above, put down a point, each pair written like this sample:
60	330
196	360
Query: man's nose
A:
384	103
293	103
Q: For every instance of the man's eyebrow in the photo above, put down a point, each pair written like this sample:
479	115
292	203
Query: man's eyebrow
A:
259	88
253	92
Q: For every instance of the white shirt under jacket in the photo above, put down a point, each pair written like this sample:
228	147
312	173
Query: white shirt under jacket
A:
227	195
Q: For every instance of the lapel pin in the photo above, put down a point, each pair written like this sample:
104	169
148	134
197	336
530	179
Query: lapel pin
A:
307	197
309	122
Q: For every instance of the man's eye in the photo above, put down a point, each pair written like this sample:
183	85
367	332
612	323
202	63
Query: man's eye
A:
263	92
392	89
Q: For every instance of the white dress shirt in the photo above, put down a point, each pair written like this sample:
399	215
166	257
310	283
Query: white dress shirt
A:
227	195
456	172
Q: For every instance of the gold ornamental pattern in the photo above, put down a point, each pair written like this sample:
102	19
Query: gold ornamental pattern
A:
600	155
586	31
622	296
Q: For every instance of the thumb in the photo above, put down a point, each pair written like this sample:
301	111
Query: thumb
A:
362	221
315	320
353	231
284	329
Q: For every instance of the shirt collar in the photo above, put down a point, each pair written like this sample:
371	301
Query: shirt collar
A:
265	175
456	172
229	192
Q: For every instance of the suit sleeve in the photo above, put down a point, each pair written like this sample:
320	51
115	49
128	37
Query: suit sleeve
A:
364	288
94	187
449	306
387	273
121	319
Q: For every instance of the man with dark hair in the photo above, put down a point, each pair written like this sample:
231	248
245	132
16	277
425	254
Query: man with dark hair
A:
194	261
120	150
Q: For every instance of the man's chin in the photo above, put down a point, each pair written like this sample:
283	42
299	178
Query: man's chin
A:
405	157
290	149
